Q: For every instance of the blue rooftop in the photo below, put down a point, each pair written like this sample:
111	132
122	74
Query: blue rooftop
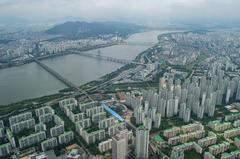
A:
115	114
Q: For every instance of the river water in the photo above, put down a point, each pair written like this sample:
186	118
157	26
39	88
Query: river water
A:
30	80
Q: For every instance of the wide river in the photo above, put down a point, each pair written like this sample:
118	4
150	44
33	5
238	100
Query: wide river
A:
30	80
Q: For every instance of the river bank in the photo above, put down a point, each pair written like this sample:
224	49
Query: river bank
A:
29	60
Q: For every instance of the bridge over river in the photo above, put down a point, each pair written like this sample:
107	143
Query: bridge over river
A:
107	58
60	77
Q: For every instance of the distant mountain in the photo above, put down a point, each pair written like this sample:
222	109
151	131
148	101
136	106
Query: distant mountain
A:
86	29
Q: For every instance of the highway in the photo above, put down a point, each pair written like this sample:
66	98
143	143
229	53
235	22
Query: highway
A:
119	77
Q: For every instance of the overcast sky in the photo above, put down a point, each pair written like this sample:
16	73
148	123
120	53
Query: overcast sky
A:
137	11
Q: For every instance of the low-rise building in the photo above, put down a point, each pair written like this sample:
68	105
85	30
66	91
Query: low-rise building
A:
20	117
84	123
171	132
92	136
76	117
192	127
237	141
25	124
44	110
186	137
112	130
105	123
231	133
1	132
1	124
99	116
105	145
209	140
57	120
32	139
45	118
40	127
236	123
56	130
95	110
84	106
69	102
5	149
49	144
231	155
10	138
186	147
232	117
197	148
220	148
66	137
218	126
208	155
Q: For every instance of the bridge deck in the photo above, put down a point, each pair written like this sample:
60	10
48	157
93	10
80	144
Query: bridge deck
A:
107	58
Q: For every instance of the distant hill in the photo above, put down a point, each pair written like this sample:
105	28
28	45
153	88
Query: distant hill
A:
85	29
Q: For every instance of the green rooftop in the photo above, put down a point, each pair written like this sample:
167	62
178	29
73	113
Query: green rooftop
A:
158	138
141	127
238	137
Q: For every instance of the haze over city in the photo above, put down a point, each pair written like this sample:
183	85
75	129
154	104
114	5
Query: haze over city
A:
145	12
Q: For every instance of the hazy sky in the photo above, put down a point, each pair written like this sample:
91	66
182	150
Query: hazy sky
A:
139	11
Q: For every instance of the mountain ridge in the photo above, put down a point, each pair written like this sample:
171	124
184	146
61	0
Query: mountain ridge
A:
82	29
